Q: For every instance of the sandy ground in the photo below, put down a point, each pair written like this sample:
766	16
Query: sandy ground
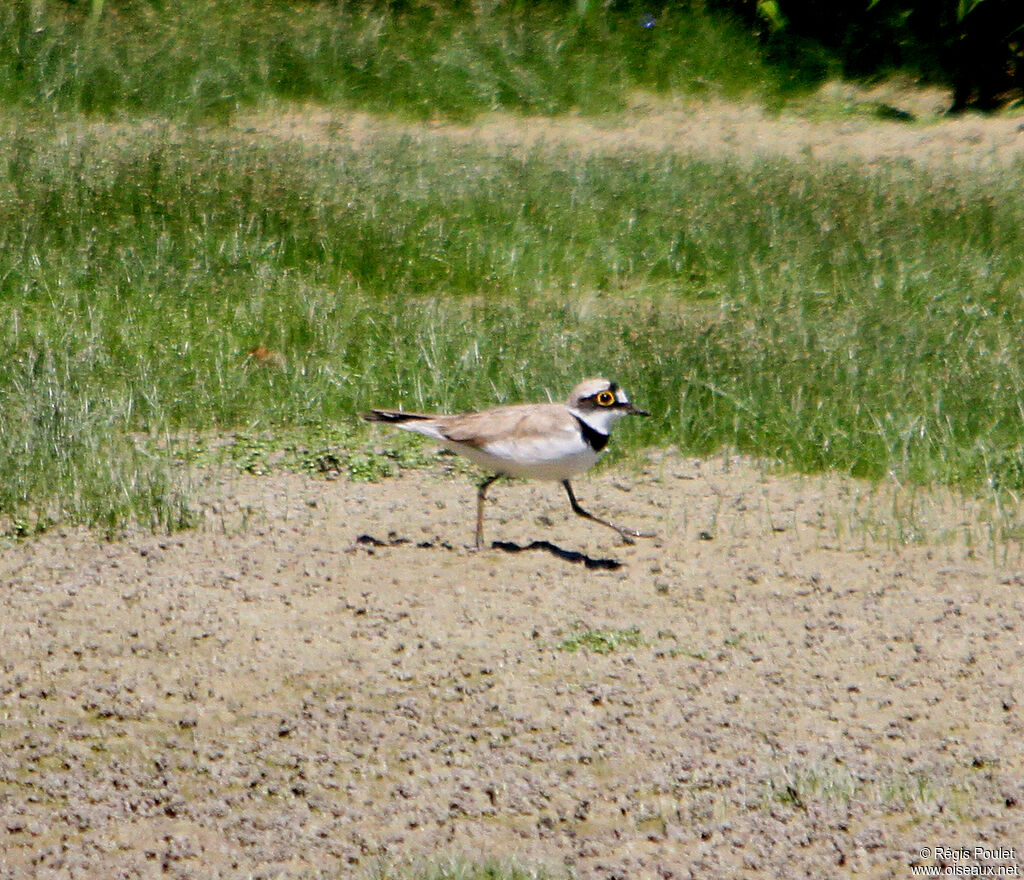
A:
322	676
825	679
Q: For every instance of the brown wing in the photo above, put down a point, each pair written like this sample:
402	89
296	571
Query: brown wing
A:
495	425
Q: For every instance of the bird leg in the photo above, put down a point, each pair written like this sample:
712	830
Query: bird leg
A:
481	494
627	534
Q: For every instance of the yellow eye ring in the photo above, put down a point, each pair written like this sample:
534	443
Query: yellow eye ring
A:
605	398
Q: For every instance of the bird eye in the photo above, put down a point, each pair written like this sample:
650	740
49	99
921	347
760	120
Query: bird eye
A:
605	398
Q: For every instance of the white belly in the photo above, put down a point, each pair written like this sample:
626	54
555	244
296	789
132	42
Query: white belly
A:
535	461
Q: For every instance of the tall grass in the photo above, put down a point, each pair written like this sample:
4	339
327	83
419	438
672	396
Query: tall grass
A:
68	455
823	316
207	58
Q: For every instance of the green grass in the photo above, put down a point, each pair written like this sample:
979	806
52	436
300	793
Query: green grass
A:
601	641
463	869
313	448
824	317
209	58
911	791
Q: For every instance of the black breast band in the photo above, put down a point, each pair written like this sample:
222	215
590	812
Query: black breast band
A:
595	439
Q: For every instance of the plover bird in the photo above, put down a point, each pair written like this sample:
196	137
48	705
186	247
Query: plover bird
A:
540	441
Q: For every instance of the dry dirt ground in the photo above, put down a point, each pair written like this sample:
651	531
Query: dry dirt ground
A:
322	676
809	678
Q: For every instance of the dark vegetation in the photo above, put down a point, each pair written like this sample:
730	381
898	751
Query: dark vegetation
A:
975	46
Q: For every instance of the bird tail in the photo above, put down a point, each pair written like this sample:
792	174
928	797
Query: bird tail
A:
393	416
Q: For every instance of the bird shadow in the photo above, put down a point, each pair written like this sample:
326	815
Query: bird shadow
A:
555	550
393	540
